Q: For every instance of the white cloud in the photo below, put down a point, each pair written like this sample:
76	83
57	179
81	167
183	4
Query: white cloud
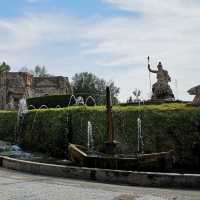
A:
159	7
35	1
113	47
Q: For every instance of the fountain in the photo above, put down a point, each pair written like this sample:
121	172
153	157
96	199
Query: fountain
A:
43	107
80	100
140	138
90	98
35	117
140	147
109	159
22	111
31	107
7	149
72	97
90	143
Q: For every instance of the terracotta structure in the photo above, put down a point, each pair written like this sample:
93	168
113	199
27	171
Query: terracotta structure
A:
195	91
14	85
161	89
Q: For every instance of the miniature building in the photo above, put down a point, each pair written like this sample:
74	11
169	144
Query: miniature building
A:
15	85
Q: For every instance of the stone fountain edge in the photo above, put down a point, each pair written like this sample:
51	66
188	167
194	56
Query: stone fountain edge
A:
133	178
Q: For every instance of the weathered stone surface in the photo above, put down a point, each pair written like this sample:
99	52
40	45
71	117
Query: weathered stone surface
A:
104	175
23	186
161	89
15	85
57	85
195	91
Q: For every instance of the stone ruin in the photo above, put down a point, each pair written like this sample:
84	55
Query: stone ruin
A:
15	85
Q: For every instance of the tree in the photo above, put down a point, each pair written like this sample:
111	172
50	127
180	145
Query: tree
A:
26	69
40	71
4	67
88	84
137	94
37	72
130	100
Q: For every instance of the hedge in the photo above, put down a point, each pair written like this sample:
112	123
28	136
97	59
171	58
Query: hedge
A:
54	101
165	127
8	125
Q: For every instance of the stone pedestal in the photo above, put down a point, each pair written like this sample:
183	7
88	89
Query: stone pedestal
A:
162	91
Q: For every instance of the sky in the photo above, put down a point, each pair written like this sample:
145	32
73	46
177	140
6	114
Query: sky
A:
111	38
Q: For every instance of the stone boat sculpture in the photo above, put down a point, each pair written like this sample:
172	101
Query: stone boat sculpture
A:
82	156
143	162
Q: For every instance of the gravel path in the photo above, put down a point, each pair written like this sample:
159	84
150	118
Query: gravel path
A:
20	186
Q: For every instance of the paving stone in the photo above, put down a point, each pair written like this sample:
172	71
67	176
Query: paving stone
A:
21	186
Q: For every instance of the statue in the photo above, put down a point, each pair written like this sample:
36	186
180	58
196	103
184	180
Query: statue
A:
161	89
195	91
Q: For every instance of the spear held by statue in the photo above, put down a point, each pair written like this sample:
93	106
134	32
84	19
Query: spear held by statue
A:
150	86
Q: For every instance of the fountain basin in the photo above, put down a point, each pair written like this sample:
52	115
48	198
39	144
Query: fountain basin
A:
81	156
133	178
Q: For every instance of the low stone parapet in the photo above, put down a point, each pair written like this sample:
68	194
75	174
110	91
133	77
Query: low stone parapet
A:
147	179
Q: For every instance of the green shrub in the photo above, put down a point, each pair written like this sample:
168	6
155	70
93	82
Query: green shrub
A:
54	101
164	127
8	122
50	101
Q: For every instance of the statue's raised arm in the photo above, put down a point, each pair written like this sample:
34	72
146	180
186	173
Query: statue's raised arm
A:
149	66
151	70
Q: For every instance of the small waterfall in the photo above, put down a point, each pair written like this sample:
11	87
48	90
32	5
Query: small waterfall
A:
90	142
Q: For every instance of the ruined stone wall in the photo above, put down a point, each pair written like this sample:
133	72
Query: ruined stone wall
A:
2	90
14	85
57	85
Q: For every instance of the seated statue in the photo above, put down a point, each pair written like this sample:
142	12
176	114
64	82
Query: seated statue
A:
161	89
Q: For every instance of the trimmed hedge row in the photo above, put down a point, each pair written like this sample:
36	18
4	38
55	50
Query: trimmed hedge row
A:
50	101
167	126
8	125
54	101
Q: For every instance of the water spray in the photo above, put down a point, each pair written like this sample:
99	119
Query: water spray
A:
90	142
140	147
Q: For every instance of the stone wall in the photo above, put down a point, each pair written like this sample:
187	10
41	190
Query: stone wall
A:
57	85
132	178
14	85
